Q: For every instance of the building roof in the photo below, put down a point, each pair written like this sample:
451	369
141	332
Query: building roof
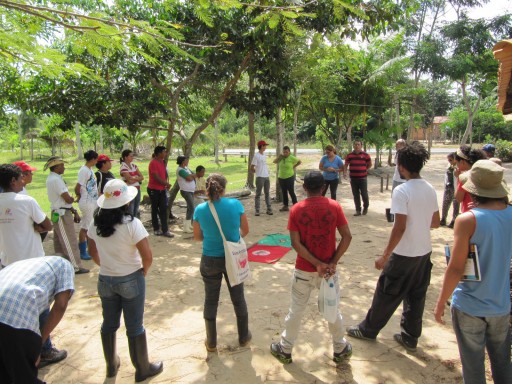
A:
503	53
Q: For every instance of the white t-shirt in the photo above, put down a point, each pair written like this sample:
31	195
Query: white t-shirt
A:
118	253
132	171
88	186
260	161
185	186
55	187
417	199
18	239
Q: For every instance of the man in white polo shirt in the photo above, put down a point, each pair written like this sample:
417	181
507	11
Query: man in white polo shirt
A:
259	166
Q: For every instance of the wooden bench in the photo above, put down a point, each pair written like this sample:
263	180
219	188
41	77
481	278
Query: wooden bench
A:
241	154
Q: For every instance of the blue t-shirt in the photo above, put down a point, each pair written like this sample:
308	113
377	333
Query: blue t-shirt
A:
337	164
493	237
229	212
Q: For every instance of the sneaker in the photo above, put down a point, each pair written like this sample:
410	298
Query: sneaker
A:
277	351
158	232
81	271
256	213
356	332
407	345
168	234
357	214
442	223
52	356
343	355
269	212
365	211
284	209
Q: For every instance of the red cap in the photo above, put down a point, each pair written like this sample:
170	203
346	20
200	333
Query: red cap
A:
24	166
262	143
104	158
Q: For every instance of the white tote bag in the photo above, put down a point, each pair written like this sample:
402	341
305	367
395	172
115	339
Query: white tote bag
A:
237	259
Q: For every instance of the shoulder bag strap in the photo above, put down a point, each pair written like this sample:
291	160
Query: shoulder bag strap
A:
216	218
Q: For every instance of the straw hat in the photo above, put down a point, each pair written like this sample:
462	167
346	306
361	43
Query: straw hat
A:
485	179
52	162
116	194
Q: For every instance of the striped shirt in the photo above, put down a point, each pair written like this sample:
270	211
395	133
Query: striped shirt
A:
358	164
27	288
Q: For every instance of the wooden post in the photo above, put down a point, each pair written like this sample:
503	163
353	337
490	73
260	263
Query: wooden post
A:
387	182
381	184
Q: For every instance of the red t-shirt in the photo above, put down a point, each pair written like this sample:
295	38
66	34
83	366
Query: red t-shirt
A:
158	167
317	220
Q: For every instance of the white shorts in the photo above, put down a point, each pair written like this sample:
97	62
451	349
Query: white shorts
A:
87	211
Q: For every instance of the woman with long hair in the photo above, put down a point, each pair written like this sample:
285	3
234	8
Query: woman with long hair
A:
465	157
132	176
331	166
157	191
234	224
119	245
187	182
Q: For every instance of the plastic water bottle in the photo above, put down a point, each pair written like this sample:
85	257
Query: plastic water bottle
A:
447	253
330	301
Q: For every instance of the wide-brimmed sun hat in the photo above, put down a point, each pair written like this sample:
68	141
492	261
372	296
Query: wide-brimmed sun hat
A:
116	194
485	179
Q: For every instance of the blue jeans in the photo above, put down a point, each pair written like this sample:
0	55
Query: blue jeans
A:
212	270
43	318
474	335
123	294
134	205
189	199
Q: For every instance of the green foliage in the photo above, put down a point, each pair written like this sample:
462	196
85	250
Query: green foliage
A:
504	150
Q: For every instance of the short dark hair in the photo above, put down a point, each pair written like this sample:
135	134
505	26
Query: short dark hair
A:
286	148
471	153
413	157
181	159
99	164
484	200
7	173
90	155
200	168
158	150
314	181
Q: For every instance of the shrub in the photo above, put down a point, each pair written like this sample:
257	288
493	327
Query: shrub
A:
504	150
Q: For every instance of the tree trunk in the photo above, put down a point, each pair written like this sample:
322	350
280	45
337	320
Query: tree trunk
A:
79	152
471	114
279	146
252	140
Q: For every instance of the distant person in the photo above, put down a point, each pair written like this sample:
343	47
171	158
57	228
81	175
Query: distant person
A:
119	245
331	166
405	262
480	309
27	288
187	182
465	157
61	204
27	172
260	168
157	190
397	179
449	192
358	162
489	150
86	191
200	192
103	175
286	176
234	224
313	225
132	176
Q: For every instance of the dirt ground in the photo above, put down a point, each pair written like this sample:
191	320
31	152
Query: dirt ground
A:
175	327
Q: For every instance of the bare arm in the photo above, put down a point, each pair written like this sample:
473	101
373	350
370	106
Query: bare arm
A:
160	180
139	173
67	197
56	313
321	267
93	251
44	226
321	166
465	226
77	191
145	254
346	238
244	225
198	234
396	235
436	220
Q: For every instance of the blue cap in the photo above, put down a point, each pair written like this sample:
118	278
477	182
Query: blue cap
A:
489	148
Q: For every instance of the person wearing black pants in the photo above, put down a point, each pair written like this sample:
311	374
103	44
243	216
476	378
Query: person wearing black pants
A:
286	164
158	210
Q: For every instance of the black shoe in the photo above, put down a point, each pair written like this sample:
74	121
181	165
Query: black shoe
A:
407	345
357	214
365	211
442	223
277	351
256	213
343	355
52	356
81	271
452	223
269	212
